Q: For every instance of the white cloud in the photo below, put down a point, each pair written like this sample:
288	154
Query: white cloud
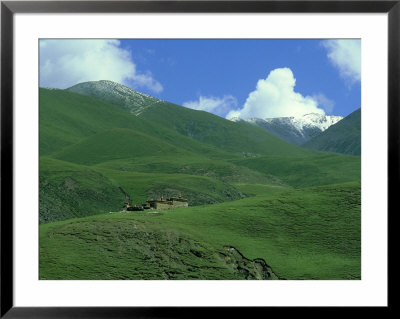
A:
345	54
275	97
66	62
218	106
326	103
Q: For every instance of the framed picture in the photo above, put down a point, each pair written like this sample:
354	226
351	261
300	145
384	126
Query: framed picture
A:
162	156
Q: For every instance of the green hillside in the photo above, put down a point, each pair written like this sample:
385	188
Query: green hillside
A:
343	137
67	118
116	144
199	190
306	171
311	233
237	138
259	207
229	136
67	191
191	165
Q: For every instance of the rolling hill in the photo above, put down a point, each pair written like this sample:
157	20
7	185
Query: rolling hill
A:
67	118
312	233
259	207
307	171
343	137
120	143
209	129
67	190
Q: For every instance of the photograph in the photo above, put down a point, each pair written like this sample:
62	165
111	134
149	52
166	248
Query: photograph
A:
199	159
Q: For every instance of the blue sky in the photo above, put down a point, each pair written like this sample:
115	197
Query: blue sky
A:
244	78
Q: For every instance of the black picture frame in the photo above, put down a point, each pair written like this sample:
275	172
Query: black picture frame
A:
9	8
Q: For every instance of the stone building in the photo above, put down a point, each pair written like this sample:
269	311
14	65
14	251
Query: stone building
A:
169	203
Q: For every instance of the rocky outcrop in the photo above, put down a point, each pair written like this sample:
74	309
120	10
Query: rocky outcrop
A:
249	269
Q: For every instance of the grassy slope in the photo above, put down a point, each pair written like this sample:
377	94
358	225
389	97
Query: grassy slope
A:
68	190
83	130
307	233
343	137
109	248
198	189
200	126
237	138
191	165
254	189
117	144
322	169
303	234
67	118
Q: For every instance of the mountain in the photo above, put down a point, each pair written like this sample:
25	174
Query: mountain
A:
343	137
165	149
238	138
66	118
296	130
258	205
84	139
116	94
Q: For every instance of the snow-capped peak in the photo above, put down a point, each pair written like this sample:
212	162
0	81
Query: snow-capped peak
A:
295	129
115	93
315	120
235	119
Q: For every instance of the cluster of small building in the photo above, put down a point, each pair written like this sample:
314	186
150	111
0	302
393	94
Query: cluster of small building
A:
168	203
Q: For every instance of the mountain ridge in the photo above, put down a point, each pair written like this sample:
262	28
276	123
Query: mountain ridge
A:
343	137
294	129
297	208
123	96
202	126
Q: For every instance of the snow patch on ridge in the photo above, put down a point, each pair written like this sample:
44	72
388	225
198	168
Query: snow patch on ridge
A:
135	102
311	120
296	130
141	101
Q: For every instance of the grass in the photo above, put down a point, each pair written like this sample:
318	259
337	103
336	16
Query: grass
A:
114	145
198	189
106	248
68	190
343	137
190	165
296	209
199	126
67	118
305	171
260	189
311	233
233	137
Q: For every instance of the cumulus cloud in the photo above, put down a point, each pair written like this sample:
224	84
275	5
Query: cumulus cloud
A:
65	62
326	103
275	97
216	105
345	54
